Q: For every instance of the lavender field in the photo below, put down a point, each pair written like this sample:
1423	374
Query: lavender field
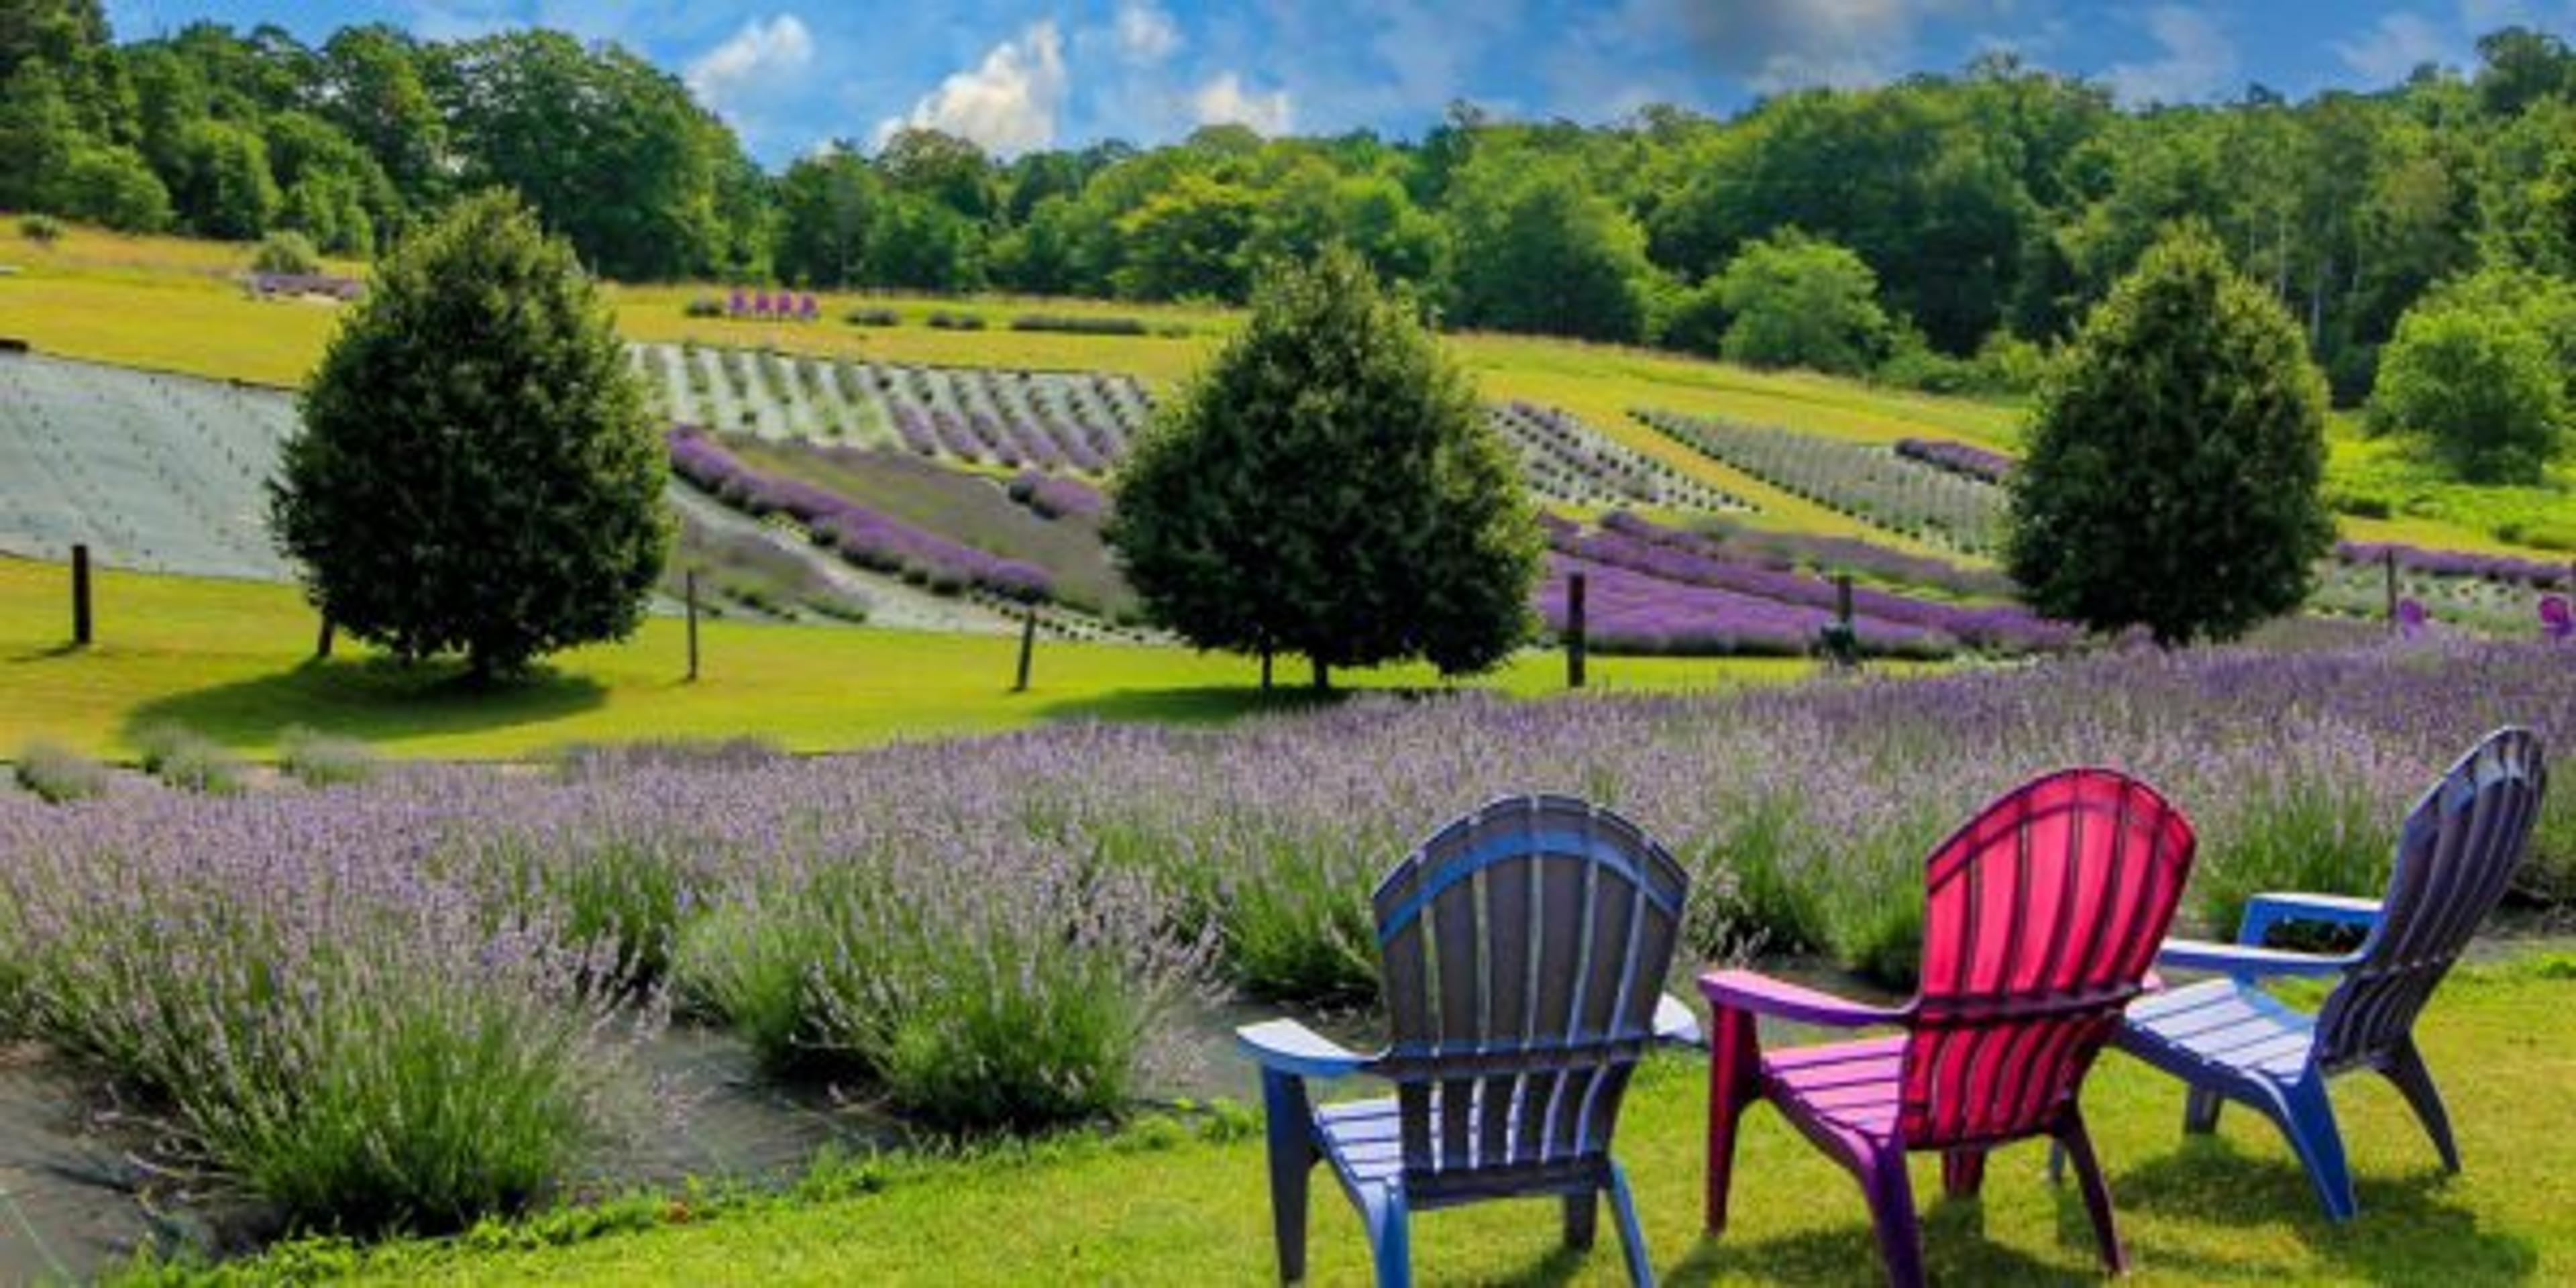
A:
421	1000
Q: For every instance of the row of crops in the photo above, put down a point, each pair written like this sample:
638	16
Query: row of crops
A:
154	472
1073	422
1872	483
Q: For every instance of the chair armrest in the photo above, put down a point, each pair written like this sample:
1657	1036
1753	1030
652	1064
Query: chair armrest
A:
1285	1046
1674	1022
1763	995
2264	911
2246	961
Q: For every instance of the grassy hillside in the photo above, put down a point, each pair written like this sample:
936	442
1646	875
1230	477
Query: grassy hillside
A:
233	660
171	304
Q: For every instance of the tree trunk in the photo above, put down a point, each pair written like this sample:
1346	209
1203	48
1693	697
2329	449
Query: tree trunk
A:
1265	668
1323	677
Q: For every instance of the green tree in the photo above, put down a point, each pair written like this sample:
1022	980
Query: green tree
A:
1799	302
1329	486
224	189
290	253
112	186
2479	382
1537	251
2172	477
825	205
476	471
1188	241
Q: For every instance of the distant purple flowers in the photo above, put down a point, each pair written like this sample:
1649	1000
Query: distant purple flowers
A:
861	535
1658	589
1958	458
2535	573
1054	496
769	306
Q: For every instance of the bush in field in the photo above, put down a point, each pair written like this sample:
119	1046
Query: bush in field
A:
1329	486
286	253
2483	373
44	230
319	760
2171	480
188	760
475	470
56	774
1799	302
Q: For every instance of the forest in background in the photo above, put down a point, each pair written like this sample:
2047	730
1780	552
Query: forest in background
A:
1939	232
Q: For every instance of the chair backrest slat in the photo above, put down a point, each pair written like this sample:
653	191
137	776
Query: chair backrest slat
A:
1525	947
2041	918
2456	858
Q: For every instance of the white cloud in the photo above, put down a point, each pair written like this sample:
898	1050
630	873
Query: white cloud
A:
1006	104
2195	59
1146	34
2395	46
756	58
1224	101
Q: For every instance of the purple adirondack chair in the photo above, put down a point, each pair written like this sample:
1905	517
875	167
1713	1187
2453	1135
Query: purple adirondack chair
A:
736	306
2230	1040
2041	919
808	308
1523	951
2557	619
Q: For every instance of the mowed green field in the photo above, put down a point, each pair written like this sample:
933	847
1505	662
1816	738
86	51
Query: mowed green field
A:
172	304
233	660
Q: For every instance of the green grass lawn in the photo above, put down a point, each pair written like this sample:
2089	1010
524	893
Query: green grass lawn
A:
232	660
1176	1207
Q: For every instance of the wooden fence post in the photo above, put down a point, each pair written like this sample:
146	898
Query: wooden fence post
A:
689	585
1028	645
1574	631
2388	560
81	623
1843	599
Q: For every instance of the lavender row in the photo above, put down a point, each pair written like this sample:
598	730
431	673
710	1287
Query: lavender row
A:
1053	496
2536	573
1968	461
860	535
1566	460
1629	611
1868	482
1675	555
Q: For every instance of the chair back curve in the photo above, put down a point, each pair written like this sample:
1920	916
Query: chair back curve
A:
2456	857
2041	919
1524	949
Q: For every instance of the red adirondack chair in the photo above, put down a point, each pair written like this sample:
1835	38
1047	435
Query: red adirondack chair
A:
2041	920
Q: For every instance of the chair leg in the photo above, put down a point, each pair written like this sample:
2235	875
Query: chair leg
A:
1632	1236
2200	1111
1891	1208
2078	1144
2405	1067
1390	1231
1582	1219
1734	1081
2307	1117
1290	1129
1963	1173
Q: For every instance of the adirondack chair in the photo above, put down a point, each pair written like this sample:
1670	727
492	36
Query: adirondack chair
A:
2041	918
1523	951
2230	1040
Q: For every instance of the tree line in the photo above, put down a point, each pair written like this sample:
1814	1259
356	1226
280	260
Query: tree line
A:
1934	232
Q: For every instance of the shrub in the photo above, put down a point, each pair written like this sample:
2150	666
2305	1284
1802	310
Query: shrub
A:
538	521
57	775
286	254
2479	384
873	316
1796	301
1339	426
188	760
1080	324
703	306
318	759
2171	479
947	321
44	230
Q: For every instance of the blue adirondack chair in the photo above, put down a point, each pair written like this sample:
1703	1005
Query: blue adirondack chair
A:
2231	1040
1523	951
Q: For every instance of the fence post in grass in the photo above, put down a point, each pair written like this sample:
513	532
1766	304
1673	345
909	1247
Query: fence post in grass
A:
689	590
1028	645
1574	631
2388	560
80	596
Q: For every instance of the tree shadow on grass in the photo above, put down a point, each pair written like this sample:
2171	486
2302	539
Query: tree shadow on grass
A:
2407	1233
376	699
1207	704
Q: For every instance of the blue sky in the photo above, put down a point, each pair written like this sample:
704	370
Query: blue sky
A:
1021	74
